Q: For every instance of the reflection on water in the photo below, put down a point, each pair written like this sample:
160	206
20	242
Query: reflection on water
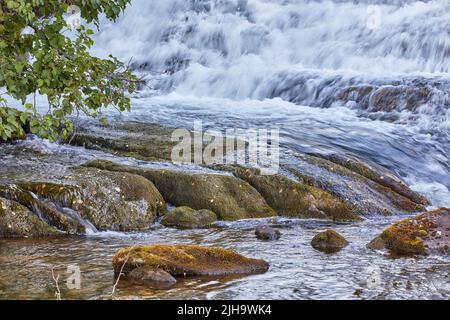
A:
297	270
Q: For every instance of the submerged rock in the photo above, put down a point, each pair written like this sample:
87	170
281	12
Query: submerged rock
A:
188	218
406	94
90	198
264	232
296	199
187	260
229	197
426	234
152	276
329	242
143	141
17	221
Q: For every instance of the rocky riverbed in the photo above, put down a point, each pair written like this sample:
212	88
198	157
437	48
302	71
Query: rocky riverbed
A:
67	205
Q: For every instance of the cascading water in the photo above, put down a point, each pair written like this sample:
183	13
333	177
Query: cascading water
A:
307	52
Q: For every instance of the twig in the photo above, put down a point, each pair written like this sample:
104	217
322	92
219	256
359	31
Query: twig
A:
120	274
56	280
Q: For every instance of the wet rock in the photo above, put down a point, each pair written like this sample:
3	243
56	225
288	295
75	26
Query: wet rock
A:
129	139
229	197
44	209
352	183
406	94
187	260
398	98
296	199
264	232
17	221
188	218
151	276
377	174
426	234
144	141
329	242
90	198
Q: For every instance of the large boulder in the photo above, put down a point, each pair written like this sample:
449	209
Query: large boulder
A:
367	189
17	221
229	197
295	199
188	218
88	198
329	241
377	174
144	141
187	260
426	234
131	139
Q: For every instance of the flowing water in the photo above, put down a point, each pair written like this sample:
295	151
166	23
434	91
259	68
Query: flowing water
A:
314	69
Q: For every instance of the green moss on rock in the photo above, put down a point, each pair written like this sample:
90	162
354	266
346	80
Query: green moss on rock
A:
229	197
426	234
329	241
17	221
187	260
362	187
108	200
188	218
295	199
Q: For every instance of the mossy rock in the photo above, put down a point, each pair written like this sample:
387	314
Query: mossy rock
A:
363	188
107	200
426	234
377	174
17	221
187	260
188	218
144	141
296	199
229	197
329	241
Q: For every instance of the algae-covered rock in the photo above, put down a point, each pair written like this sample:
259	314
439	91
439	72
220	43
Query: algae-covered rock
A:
229	197
17	221
264	232
187	260
89	198
295	199
329	241
362	187
188	218
377	174
426	234
144	141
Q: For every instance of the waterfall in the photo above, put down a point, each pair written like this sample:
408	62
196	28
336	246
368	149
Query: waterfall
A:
309	52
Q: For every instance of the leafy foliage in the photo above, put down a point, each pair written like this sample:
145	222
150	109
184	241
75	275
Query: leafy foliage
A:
41	53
